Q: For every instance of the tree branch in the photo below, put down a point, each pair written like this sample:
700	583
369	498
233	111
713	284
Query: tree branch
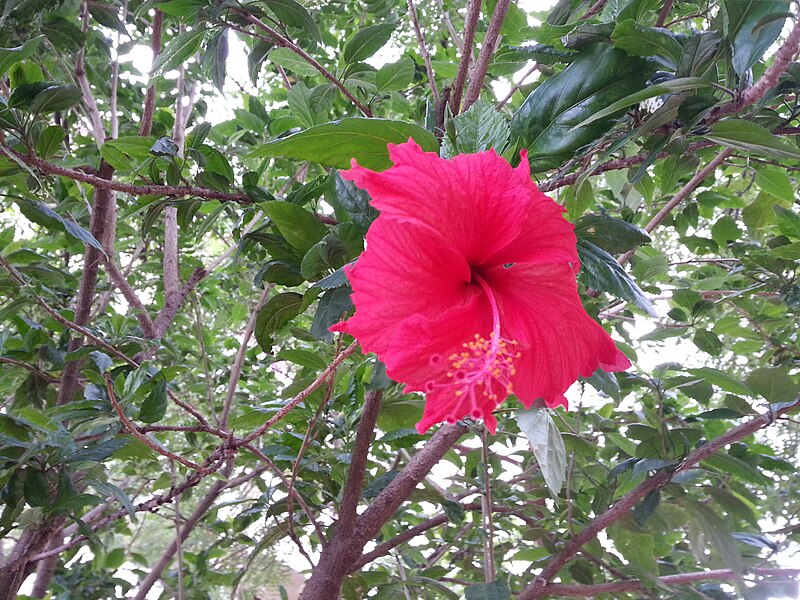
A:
470	26
684	192
358	465
146	126
539	587
487	50
97	182
387	546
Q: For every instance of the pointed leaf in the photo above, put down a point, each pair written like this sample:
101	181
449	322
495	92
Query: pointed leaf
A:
547	445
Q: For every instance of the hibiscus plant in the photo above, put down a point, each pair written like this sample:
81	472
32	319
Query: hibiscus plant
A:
396	299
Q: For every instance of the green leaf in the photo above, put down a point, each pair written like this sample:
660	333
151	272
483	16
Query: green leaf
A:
164	146
725	230
480	128
36	488
775	182
97	452
50	141
400	411
773	383
610	234
547	445
598	77
668	87
177	51
354	201
46	217
108	16
601	271
395	76
125	152
637	547
274	315
287	59
717	536
753	25
722	461
333	306
788	222
367	41
295	14
750	137
722	380
639	40
44	96
300	228
109	489
154	406
496	590
11	56
335	144
708	341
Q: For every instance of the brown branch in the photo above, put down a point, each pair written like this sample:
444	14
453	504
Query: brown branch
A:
539	587
470	26
146	126
682	194
423	50
104	204
134	431
517	86
331	368
36	371
662	16
238	361
358	465
285	42
140	311
387	546
98	182
593	10
89	101
590	591
487	50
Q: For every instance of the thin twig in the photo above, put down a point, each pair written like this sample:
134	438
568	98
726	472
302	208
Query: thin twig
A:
284	42
134	431
423	50
470	26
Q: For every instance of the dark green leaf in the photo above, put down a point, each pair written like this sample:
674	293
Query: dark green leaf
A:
354	201
274	315
598	77
367	41
46	217
300	228
601	271
11	56
335	144
497	590
295	14
788	222
36	488
708	341
610	234
773	383
50	141
333	306
109	489
154	406
395	76
480	128
97	452
178	50
639	40
752	28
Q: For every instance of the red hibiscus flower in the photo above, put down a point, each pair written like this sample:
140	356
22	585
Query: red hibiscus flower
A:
466	289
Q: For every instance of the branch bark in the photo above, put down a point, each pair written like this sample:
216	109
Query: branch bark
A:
146	126
470	26
487	50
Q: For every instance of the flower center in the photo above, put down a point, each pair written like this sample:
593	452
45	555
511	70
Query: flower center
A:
483	363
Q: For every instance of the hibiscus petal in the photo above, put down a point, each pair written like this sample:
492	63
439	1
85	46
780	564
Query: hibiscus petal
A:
407	270
558	340
475	201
